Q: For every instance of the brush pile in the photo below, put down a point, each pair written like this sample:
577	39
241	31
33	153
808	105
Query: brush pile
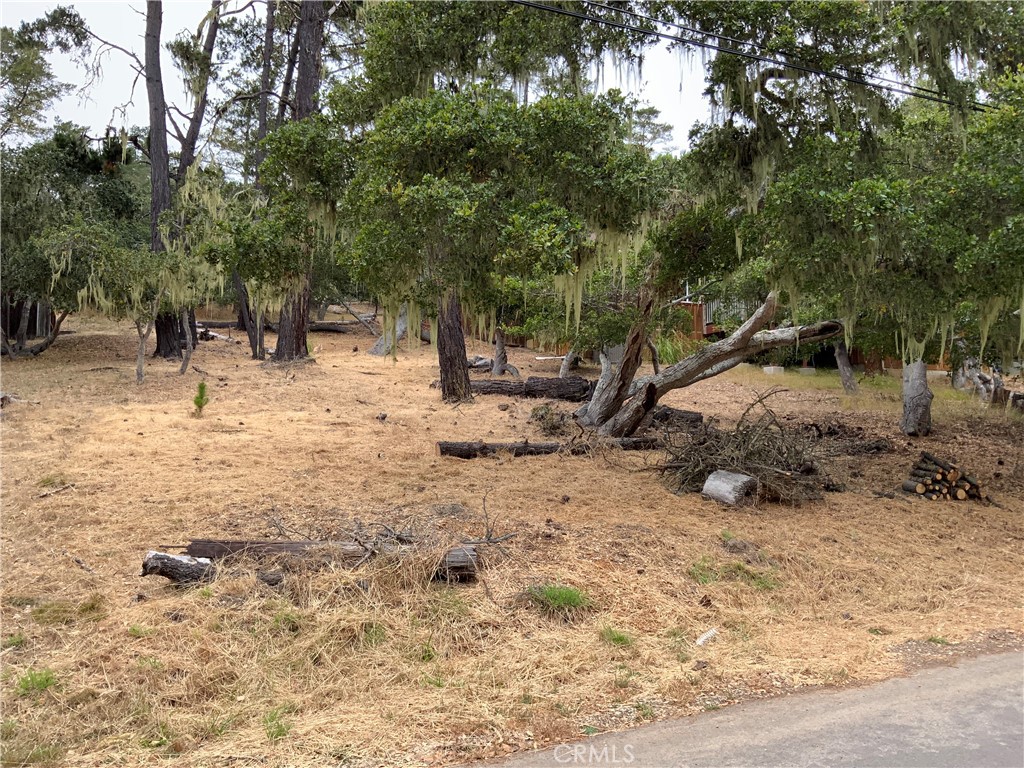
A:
783	460
935	480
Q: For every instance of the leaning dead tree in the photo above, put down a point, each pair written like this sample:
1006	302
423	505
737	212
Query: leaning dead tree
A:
619	403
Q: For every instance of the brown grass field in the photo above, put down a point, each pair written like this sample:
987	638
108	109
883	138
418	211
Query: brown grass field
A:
381	667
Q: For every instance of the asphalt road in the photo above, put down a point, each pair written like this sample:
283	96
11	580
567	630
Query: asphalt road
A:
969	716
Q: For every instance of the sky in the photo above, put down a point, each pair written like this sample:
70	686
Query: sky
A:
670	82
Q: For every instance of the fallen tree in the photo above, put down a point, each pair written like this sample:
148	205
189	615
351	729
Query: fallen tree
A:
619	403
476	449
573	388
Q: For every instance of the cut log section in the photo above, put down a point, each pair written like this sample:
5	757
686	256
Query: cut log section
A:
730	488
572	388
911	486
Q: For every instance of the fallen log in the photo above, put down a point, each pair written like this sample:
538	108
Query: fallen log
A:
331	326
730	488
476	449
459	563
573	388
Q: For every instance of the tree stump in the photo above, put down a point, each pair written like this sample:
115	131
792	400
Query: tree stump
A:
917	400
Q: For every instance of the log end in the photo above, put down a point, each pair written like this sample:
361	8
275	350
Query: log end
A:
730	488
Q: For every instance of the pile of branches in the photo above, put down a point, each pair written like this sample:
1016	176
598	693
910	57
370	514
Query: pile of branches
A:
784	460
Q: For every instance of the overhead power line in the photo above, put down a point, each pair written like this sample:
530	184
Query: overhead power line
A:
902	88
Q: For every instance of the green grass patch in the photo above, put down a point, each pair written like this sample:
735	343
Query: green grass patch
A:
36	681
138	631
92	608
28	754
938	640
762	580
286	621
616	637
57	612
52	481
704	571
275	724
373	634
17	640
54	613
559	600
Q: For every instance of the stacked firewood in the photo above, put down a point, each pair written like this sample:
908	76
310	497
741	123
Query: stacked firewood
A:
935	479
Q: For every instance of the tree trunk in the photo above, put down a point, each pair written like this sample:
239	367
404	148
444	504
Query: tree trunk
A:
568	363
264	102
292	332
451	349
167	343
614	385
140	358
310	35
188	146
500	365
51	335
387	340
187	357
294	326
21	335
168	336
845	369
917	400
709	361
246	314
289	72
655	358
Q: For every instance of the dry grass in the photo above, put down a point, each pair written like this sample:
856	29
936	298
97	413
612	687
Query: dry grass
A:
380	666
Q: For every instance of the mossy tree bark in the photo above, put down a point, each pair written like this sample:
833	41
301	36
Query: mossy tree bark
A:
451	349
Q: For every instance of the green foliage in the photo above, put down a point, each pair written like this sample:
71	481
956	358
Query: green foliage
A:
36	681
275	723
559	601
200	400
453	188
16	640
703	571
27	84
616	637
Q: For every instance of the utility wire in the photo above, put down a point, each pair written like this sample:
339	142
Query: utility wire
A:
856	72
742	54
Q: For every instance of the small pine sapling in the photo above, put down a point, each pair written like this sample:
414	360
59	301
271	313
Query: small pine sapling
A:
200	400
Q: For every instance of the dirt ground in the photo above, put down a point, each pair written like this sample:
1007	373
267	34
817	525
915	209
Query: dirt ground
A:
382	667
